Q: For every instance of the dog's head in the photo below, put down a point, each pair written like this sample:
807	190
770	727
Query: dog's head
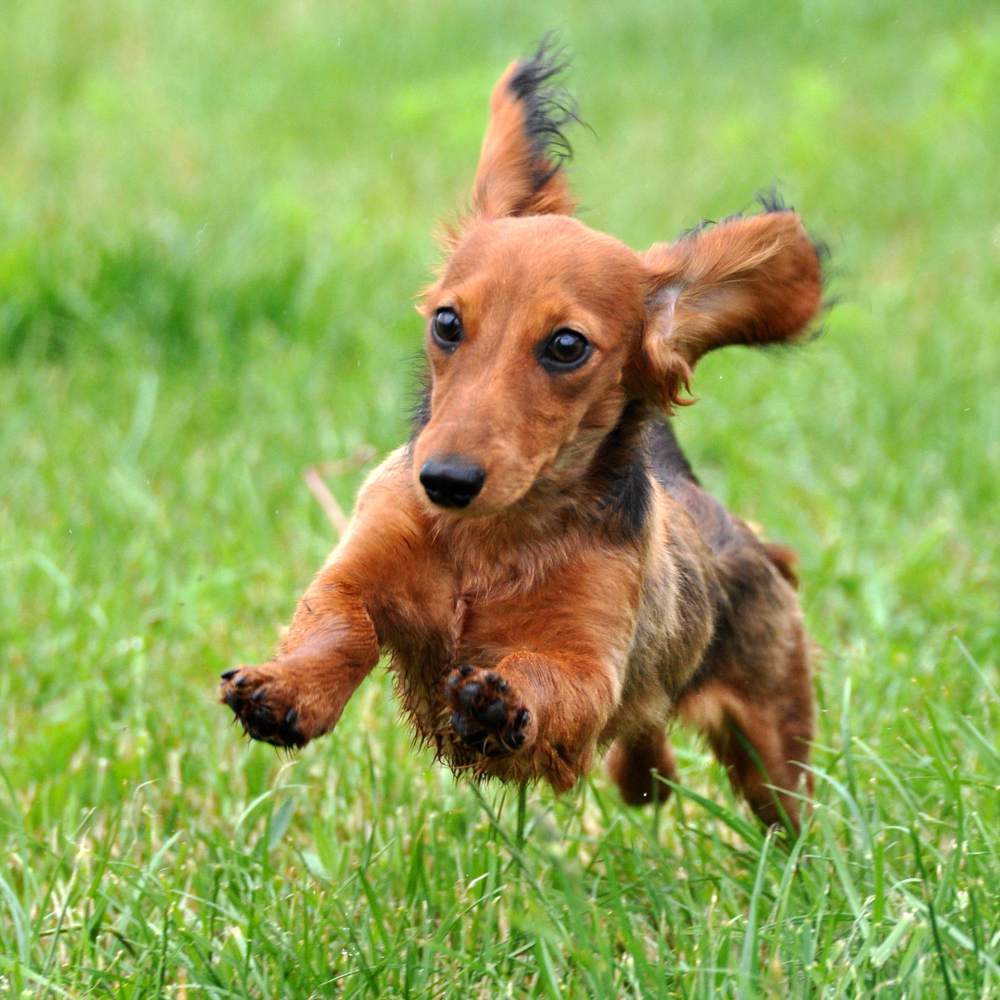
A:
541	330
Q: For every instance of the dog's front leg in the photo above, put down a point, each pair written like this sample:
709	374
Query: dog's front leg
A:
333	641
534	713
330	648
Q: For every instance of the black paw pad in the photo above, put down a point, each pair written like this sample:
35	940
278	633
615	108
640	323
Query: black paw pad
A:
494	715
497	681
486	715
259	719
468	696
511	742
262	716
475	738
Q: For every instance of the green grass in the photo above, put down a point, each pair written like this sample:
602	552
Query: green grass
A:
213	217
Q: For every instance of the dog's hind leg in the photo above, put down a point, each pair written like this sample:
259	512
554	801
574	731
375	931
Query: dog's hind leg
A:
636	761
759	724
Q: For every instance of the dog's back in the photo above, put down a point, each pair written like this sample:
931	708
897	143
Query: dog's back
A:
751	692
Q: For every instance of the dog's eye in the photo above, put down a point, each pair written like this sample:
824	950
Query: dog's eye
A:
564	350
446	329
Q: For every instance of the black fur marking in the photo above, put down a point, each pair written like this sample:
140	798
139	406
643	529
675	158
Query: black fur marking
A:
420	407
771	201
824	255
673	472
621	475
547	109
667	460
693	231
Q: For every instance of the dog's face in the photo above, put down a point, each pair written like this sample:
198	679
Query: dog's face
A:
540	330
528	333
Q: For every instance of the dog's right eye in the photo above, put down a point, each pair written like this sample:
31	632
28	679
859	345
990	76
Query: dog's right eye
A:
564	351
446	329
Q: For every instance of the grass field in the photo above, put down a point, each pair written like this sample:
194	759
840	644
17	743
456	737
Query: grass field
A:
213	217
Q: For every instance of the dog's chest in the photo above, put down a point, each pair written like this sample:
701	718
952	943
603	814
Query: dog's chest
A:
472	627
586	602
467	626
471	617
491	626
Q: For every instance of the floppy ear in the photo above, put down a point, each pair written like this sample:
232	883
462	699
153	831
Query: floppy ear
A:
520	165
751	281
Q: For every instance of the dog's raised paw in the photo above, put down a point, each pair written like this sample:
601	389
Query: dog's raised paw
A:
487	714
261	707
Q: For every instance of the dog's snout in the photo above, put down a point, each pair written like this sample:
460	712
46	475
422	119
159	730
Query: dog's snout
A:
452	482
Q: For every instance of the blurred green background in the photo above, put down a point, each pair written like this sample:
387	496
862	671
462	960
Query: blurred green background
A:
213	219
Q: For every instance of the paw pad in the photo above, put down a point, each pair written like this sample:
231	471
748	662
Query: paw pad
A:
487	715
256	703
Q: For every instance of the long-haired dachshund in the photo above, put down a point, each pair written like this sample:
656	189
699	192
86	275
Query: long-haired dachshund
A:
539	561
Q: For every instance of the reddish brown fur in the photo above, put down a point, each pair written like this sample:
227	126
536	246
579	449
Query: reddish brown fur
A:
591	591
509	164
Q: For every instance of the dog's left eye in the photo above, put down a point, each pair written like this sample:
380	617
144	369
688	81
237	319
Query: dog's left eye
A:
446	329
564	350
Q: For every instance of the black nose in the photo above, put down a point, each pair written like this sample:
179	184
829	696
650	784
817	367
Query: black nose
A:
451	482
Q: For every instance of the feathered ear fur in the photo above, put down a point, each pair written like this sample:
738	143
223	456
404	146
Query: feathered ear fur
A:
751	281
520	166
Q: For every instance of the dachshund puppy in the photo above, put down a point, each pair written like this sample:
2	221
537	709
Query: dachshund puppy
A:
539	562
